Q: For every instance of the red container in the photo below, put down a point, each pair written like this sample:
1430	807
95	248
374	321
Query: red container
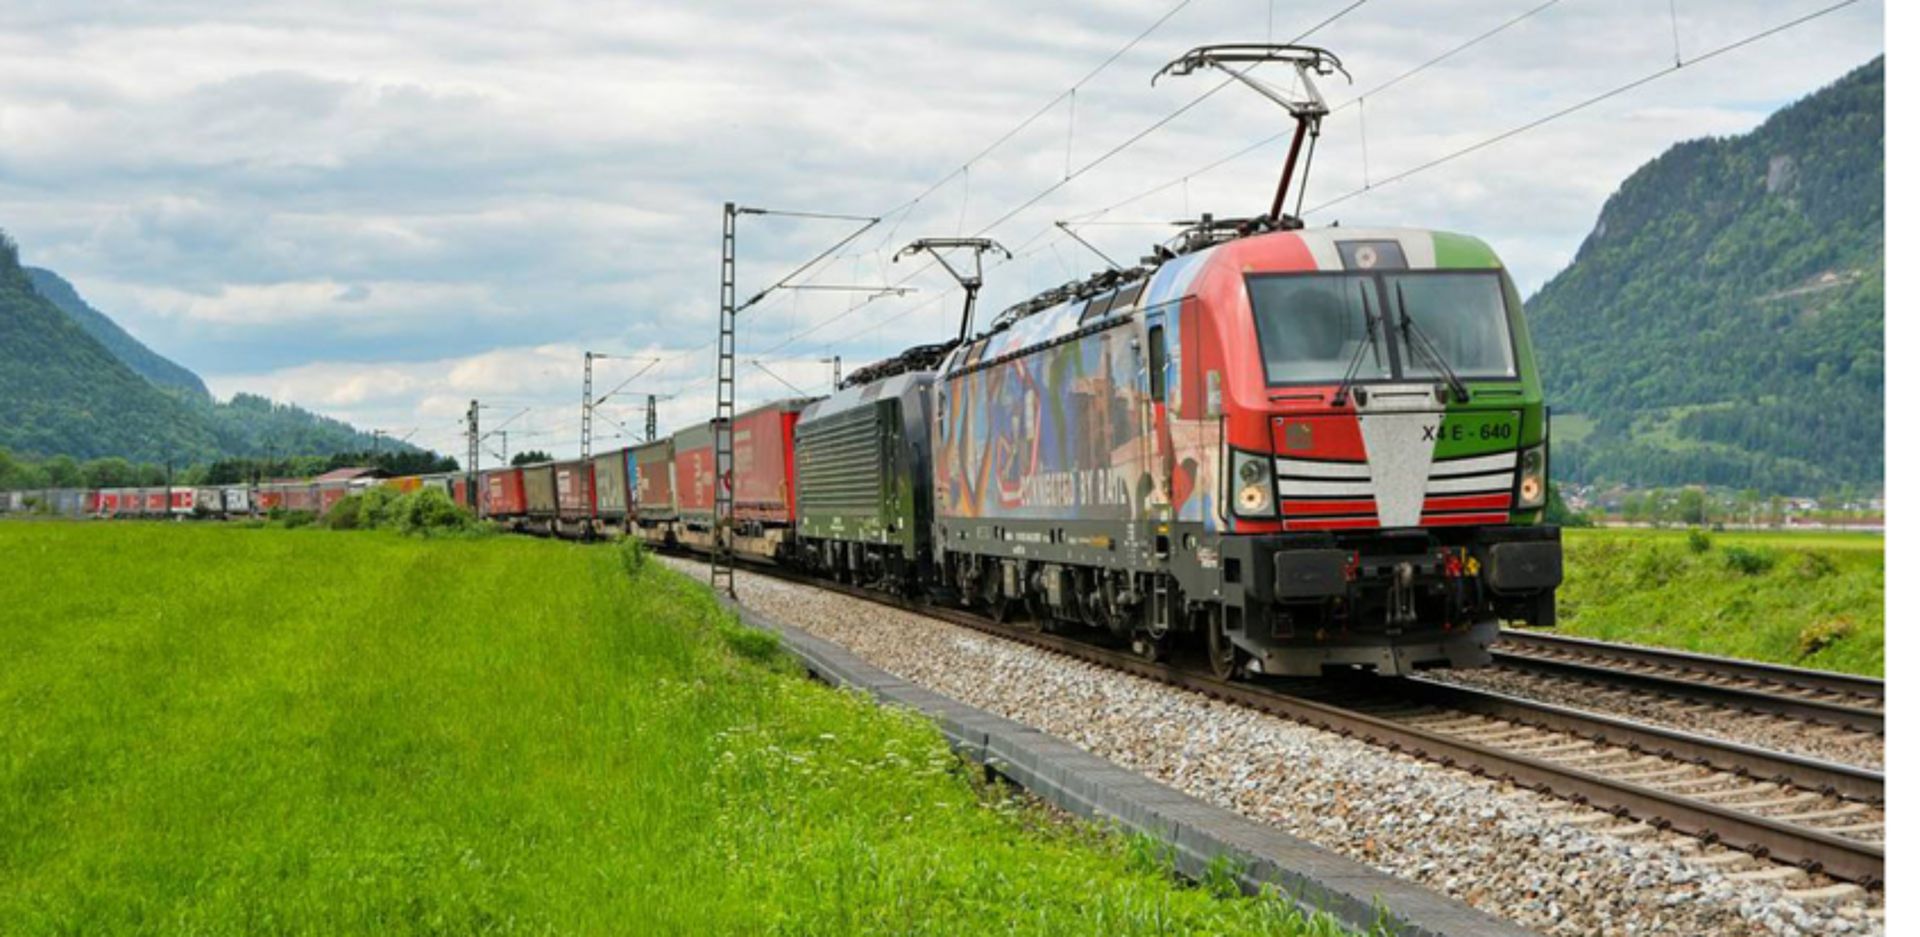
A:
650	480
763	462
503	493
693	475
154	502
302	498
573	482
330	495
459	490
181	500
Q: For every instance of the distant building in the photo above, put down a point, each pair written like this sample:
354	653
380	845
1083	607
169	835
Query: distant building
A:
352	474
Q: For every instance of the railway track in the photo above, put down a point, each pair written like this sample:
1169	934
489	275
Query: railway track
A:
1851	702
1803	815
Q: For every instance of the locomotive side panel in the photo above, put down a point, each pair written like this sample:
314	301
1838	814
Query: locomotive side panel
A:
861	464
1045	445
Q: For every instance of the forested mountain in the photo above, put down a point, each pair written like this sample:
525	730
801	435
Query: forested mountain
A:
1724	321
62	392
72	384
143	360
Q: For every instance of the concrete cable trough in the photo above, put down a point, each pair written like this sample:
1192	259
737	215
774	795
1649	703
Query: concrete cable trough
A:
1095	788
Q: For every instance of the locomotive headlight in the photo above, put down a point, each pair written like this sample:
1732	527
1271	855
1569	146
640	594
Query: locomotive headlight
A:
1253	484
1533	478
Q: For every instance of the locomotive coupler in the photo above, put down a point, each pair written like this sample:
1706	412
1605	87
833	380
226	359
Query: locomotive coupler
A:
1400	609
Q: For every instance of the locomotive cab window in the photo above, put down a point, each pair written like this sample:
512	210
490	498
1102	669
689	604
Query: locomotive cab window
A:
1312	328
1415	326
1457	318
1157	362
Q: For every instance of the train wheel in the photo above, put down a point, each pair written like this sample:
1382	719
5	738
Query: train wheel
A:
1151	649
1226	659
999	607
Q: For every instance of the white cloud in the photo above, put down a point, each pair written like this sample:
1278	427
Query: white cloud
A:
346	204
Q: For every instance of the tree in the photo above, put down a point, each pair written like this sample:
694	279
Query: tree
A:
110	472
18	473
1559	514
1690	507
531	458
63	472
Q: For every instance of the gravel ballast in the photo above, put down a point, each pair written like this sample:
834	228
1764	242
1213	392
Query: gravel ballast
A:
1780	733
1535	860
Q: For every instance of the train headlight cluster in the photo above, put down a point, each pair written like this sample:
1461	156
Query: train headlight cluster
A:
1533	478
1252	484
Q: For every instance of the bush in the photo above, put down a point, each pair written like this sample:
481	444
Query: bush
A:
633	555
1654	566
429	510
1746	561
1810	565
1821	635
344	515
1698	541
292	519
378	506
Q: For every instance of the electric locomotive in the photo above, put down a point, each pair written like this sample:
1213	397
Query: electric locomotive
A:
1308	448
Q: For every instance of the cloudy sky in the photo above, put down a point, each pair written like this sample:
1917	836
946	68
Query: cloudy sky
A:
382	209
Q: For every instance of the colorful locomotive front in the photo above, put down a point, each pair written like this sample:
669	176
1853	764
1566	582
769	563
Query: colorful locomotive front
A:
1314	448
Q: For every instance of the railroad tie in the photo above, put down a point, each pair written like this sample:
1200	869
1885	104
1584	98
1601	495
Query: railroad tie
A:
1844	810
1771	874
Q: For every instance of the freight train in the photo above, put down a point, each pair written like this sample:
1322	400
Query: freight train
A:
1299	450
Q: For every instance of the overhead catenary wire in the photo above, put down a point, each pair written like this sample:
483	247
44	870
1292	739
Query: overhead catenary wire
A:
1590	101
1494	140
1374	91
964	170
1071	175
1154	127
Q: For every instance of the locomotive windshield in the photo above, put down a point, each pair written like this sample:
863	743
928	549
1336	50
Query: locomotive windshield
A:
1321	328
1313	328
1462	316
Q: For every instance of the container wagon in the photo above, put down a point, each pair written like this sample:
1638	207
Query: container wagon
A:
650	491
573	497
610	501
503	495
762	482
693	486
543	497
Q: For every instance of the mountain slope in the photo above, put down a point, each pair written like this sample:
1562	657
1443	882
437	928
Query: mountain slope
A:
73	383
143	360
61	391
1724	322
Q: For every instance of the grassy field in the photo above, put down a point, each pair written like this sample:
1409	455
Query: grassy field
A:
218	730
1810	600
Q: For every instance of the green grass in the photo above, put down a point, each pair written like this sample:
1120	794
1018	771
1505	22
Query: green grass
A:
216	730
1809	600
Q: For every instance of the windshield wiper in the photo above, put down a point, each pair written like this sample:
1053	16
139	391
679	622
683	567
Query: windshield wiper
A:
1411	331
1353	366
